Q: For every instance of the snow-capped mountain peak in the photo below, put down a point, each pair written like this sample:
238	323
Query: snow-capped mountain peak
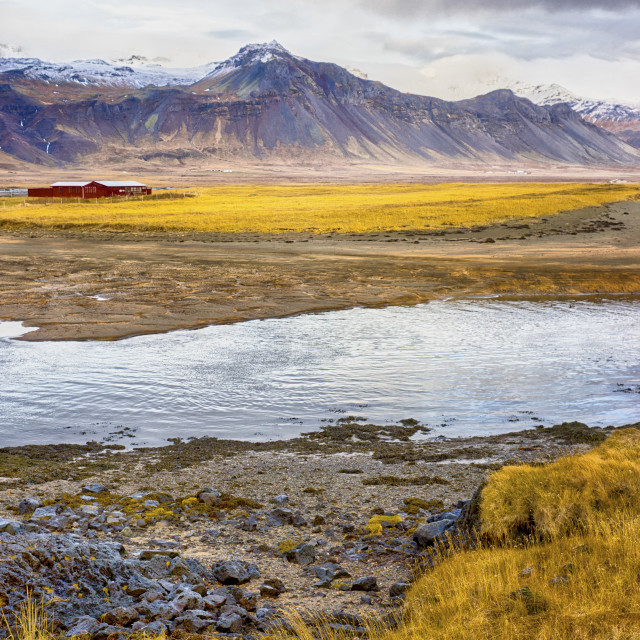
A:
597	111
544	94
251	54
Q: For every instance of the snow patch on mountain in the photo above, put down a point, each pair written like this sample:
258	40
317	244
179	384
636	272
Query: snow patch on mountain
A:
594	110
102	73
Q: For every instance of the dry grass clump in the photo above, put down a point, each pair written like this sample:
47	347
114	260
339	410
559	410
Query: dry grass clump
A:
32	622
572	494
318	208
576	576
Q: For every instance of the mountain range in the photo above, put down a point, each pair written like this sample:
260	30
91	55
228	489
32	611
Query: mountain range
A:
621	119
265	104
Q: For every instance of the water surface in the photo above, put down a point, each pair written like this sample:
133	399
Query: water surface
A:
462	367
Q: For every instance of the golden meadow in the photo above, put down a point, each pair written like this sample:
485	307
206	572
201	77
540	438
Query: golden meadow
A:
315	208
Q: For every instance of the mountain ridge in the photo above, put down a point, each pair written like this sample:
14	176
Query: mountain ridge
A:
266	104
619	118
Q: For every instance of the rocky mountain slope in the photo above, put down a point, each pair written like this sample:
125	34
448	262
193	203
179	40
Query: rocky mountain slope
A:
269	105
621	119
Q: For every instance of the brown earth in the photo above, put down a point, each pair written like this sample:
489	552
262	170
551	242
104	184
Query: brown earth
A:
159	282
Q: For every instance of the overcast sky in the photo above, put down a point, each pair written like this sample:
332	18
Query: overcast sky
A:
448	48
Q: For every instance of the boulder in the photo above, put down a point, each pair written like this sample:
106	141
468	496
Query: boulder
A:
398	589
428	534
234	572
9	526
272	588
28	505
194	621
229	623
279	517
121	616
368	583
83	626
304	554
94	488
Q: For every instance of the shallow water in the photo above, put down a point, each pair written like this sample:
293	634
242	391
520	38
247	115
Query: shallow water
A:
462	367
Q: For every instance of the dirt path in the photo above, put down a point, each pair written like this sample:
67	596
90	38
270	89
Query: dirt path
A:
77	286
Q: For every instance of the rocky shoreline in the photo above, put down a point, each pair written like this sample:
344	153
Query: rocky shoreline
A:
226	536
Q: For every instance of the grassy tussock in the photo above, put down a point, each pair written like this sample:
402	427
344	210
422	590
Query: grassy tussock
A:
574	493
318	208
582	586
578	577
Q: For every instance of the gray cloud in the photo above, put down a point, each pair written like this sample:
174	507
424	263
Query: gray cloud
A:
610	36
412	8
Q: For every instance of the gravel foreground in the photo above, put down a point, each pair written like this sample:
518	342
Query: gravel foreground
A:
226	536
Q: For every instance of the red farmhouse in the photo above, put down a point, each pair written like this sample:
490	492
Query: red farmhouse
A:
94	189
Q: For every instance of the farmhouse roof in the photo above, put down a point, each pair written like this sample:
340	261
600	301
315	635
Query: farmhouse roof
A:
70	184
120	183
106	183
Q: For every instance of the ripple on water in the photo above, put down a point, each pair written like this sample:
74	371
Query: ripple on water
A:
462	367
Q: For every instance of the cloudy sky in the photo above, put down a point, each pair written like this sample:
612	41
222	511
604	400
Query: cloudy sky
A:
448	48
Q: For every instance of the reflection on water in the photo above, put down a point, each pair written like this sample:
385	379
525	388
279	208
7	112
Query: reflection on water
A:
462	367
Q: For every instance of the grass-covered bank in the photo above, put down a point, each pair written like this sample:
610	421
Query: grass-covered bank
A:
559	557
278	209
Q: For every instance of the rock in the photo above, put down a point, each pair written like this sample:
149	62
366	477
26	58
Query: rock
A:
265	612
234	572
209	490
83	626
559	580
210	499
304	554
153	629
214	601
365	599
186	600
328	572
44	513
249	524
28	505
121	616
229	623
299	520
398	589
272	588
279	517
427	535
110	632
9	526
94	488
88	509
244	599
281	499
368	583
147	554
194	621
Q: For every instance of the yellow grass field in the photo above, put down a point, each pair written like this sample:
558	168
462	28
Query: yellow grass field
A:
316	208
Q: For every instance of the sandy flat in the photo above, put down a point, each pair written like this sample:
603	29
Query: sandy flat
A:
106	285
